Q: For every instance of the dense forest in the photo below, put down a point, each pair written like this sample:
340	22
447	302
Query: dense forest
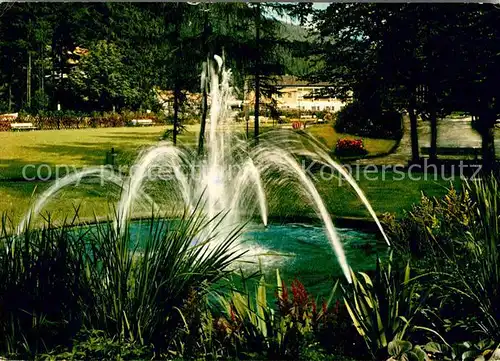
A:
423	60
105	56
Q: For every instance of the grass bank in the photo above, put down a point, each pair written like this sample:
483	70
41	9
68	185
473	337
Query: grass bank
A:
87	147
385	195
57	149
329	137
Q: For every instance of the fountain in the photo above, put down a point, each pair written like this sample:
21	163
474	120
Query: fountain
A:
231	176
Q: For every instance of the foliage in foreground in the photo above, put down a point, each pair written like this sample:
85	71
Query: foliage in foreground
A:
455	243
295	327
383	307
55	282
153	296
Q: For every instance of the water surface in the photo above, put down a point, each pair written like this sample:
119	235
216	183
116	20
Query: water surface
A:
301	251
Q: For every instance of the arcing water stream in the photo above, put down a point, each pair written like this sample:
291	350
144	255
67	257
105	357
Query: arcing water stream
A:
231	176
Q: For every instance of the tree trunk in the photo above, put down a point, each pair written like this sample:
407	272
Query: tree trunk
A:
204	85
488	149
204	110
10	95
176	112
486	129
28	82
257	72
42	69
245	103
433	147
415	155
433	120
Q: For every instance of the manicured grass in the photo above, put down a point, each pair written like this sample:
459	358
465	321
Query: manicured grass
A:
387	195
72	147
86	147
79	147
329	137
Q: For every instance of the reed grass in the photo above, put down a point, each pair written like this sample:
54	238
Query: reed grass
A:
57	281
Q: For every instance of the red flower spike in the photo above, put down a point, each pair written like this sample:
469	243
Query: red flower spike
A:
313	304
232	314
300	296
337	306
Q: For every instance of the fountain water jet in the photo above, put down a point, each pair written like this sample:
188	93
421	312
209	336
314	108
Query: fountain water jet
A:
274	158
102	173
228	177
163	154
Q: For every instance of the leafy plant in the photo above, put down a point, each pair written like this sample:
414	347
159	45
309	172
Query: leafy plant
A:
58	280
383	307
252	327
41	287
433	225
478	279
369	120
95	345
400	350
139	286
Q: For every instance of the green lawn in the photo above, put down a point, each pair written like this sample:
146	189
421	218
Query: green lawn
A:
329	137
384	195
89	146
72	147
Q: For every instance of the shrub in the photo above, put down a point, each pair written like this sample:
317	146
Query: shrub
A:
383	307
156	280
477	256
69	119
350	147
4	125
96	345
41	289
433	224
456	239
251	327
355	118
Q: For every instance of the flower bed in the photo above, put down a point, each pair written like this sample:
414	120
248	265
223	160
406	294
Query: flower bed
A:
68	119
4	125
350	147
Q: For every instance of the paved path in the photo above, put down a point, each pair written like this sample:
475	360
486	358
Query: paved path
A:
451	133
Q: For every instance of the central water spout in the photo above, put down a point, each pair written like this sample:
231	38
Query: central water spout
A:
230	177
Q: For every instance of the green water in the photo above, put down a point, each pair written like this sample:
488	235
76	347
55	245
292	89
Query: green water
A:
305	253
301	251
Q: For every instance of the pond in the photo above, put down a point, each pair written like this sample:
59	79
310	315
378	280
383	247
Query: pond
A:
301	251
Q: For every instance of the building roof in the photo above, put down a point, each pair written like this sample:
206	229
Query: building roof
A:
290	80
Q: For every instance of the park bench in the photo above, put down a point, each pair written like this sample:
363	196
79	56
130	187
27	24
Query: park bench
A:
142	122
22	126
454	151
